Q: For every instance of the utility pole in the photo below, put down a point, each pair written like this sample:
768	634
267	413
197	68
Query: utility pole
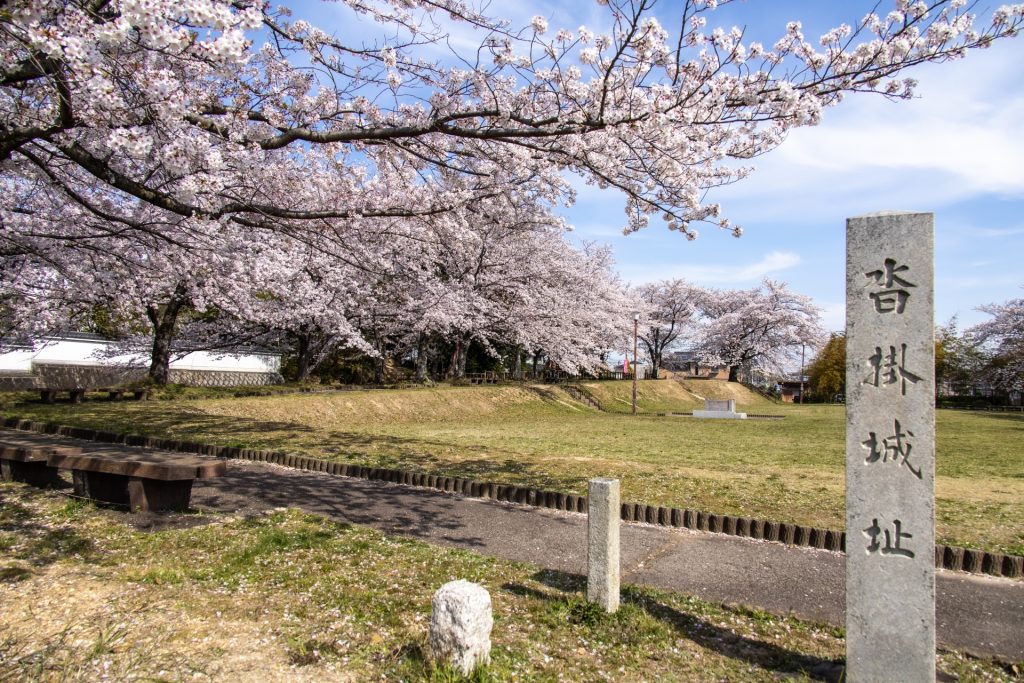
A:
636	323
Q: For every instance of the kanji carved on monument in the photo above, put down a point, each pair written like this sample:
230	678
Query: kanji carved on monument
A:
891	294
886	369
897	447
893	541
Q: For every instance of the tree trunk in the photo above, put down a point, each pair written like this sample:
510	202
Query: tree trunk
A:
378	364
517	363
461	353
421	358
734	373
302	352
654	351
453	363
164	319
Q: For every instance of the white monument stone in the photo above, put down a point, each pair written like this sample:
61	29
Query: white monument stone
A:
603	514
724	408
890	448
460	625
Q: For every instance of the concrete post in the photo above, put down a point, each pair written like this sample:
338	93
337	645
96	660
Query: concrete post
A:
603	544
890	448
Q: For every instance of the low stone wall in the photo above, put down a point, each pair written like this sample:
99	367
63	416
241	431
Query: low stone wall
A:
67	377
946	557
222	378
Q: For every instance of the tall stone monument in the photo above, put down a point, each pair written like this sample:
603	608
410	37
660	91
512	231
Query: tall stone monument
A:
890	448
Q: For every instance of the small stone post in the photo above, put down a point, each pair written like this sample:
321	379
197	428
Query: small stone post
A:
460	625
603	544
890	448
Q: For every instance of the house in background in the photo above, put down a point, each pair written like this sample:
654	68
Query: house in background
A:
76	362
624	370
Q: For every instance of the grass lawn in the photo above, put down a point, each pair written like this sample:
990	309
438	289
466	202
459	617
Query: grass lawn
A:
787	470
286	596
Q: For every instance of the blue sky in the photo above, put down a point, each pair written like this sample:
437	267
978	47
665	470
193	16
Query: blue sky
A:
957	151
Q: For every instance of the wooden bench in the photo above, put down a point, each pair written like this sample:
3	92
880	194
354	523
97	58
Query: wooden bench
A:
78	395
29	463
142	480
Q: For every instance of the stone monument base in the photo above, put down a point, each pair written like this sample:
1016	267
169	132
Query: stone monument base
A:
729	415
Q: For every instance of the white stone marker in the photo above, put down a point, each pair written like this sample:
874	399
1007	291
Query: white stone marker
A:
460	625
890	448
720	408
603	514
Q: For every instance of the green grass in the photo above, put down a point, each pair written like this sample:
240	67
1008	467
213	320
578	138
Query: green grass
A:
290	596
673	395
788	470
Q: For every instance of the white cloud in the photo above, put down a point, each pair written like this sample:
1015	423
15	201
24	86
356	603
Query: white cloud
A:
833	314
713	274
959	140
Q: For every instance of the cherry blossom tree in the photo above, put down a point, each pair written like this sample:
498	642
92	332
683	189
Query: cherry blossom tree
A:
506	276
574	309
671	312
763	327
171	104
1002	338
301	296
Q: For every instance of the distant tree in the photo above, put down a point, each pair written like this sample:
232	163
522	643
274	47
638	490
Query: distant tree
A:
1002	340
764	327
827	371
672	307
959	361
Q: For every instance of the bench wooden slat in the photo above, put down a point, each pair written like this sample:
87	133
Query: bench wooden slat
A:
165	467
35	453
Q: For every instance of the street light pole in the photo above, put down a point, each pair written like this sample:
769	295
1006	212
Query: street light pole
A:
636	322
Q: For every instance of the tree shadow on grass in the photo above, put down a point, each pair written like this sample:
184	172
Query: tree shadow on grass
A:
701	631
160	421
35	543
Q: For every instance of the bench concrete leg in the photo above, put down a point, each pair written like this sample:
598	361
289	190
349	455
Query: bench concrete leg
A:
48	395
34	473
77	395
101	487
148	495
115	394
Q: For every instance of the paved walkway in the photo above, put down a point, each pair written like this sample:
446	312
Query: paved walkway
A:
978	614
